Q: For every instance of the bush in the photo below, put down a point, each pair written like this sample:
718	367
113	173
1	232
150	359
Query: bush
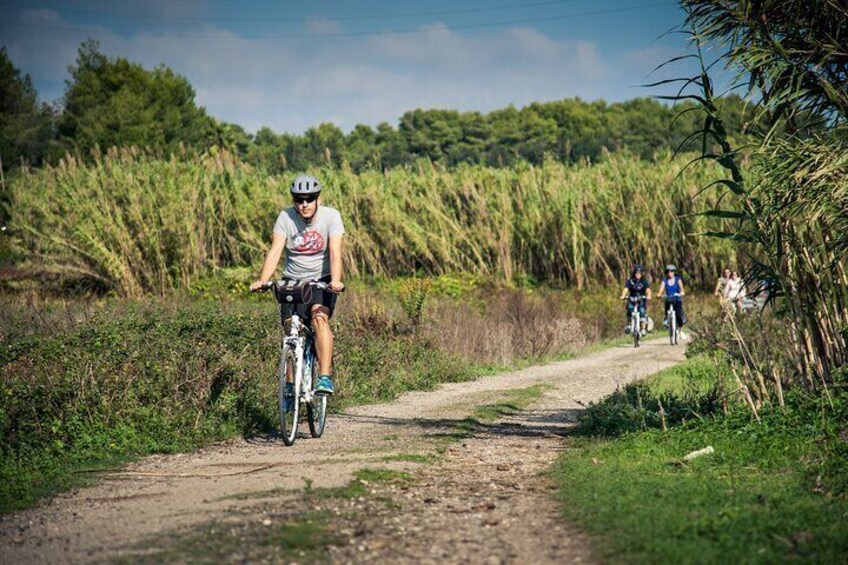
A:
693	390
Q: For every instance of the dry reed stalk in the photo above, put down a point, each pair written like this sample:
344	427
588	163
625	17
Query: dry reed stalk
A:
746	395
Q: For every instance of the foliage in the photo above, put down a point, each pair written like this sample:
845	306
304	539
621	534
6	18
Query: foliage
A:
769	493
566	130
793	53
113	102
133	379
137	223
25	126
412	294
121	220
790	208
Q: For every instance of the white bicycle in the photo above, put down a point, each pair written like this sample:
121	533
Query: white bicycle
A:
636	320
671	318
298	362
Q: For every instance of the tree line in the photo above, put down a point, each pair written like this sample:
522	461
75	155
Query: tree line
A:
111	101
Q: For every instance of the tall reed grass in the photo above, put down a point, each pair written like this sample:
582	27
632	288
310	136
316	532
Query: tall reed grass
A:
141	223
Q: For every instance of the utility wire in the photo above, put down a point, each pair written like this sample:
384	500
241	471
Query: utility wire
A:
290	19
428	29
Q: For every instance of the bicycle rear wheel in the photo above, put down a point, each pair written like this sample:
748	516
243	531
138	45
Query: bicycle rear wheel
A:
316	409
289	403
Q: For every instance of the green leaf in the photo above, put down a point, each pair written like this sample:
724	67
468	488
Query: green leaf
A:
730	214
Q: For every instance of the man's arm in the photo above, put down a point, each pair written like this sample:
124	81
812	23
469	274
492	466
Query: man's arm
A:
272	259
336	270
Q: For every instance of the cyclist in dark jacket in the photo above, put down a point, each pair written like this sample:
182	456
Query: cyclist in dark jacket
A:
637	286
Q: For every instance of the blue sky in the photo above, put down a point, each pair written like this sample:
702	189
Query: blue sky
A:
292	65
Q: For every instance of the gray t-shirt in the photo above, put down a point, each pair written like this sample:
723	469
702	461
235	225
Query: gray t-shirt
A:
307	246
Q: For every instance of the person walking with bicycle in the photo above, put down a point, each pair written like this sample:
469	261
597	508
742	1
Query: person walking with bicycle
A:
672	290
311	236
638	288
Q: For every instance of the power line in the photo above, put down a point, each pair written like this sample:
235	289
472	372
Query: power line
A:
292	19
429	29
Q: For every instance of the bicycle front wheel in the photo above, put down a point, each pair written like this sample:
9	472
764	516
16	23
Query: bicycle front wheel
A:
316	409
672	326
289	401
636	329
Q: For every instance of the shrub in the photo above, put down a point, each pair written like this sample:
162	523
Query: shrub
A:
693	390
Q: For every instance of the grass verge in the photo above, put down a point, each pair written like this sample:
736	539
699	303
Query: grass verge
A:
166	376
770	492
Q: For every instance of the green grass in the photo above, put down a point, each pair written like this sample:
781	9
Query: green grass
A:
383	476
410	458
512	402
771	492
694	377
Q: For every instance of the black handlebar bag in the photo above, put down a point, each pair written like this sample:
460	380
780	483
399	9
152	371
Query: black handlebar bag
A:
294	294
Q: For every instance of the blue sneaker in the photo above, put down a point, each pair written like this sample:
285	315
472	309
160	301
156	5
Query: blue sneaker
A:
324	385
288	402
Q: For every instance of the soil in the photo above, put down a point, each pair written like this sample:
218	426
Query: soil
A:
477	497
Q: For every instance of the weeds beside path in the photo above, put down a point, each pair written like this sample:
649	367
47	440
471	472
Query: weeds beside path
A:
242	485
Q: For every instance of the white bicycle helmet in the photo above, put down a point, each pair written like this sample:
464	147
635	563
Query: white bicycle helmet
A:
303	185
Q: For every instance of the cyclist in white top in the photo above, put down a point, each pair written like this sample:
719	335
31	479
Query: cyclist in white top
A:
311	235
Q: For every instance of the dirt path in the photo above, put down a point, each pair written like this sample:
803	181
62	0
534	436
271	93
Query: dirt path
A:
482	500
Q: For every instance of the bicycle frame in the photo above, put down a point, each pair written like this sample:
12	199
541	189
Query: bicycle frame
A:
671	318
298	340
636	318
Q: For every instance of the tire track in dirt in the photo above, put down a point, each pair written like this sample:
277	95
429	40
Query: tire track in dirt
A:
483	501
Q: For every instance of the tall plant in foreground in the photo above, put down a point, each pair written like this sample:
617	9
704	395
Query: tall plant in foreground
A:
791	207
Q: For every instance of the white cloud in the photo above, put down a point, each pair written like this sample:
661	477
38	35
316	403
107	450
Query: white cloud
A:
291	84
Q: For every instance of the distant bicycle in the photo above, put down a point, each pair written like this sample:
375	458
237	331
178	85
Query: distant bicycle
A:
298	369
671	318
636	320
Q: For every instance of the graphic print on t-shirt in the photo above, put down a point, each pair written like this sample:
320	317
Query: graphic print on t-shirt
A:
308	242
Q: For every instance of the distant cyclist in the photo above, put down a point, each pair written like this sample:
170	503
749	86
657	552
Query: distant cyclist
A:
672	290
734	291
722	282
311	235
637	286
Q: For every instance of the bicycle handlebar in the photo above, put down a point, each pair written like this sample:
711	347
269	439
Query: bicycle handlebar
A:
266	286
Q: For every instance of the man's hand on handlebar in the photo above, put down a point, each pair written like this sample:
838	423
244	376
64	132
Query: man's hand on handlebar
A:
337	286
256	286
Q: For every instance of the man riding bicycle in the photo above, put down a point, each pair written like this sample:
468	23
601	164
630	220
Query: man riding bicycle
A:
672	290
311	235
638	288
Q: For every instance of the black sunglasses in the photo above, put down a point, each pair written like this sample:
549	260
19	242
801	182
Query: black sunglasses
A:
303	199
